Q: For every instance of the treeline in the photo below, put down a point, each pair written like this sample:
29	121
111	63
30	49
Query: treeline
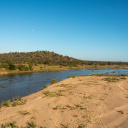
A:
11	66
103	63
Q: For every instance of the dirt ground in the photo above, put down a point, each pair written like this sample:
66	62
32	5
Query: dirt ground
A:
77	102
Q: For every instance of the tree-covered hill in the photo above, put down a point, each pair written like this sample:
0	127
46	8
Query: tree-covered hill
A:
38	57
19	60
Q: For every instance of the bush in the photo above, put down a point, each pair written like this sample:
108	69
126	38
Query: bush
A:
12	66
23	68
4	65
53	81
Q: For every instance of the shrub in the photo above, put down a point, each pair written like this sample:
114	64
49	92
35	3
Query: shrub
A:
121	112
4	65
32	125
5	103
23	68
53	81
12	66
12	125
15	102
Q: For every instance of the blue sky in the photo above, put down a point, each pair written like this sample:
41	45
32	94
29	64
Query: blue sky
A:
83	29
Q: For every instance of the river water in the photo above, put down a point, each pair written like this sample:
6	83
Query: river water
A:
25	84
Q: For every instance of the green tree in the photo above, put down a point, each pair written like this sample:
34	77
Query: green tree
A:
12	66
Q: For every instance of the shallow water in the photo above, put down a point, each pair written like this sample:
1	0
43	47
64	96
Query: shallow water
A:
25	84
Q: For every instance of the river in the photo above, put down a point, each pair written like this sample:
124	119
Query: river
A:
25	84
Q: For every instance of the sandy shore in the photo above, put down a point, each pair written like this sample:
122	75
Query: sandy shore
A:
80	102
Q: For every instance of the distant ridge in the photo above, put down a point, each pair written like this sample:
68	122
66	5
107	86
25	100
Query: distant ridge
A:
37	57
51	58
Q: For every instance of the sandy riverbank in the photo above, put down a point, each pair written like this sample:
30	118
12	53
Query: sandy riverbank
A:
80	102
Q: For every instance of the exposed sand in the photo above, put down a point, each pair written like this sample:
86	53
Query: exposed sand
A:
80	102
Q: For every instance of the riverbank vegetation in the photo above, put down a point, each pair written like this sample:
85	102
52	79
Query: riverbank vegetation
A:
14	103
15	62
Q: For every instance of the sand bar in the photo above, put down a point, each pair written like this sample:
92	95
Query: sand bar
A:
80	102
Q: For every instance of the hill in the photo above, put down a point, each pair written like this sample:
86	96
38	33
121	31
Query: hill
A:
38	57
49	61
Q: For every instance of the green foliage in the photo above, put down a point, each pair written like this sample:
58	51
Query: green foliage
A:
15	102
10	125
4	65
23	113
53	81
53	94
109	63
69	64
63	85
123	78
98	74
38	57
46	57
82	126
111	79
121	112
31	125
45	87
12	66
23	68
18	101
30	66
71	76
5	103
13	124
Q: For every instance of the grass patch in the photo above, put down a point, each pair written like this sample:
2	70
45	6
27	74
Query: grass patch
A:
82	126
31	125
63	85
18	101
53	94
55	108
23	113
45	86
80	107
77	106
71	76
53	81
98	74
71	107
15	102
88	97
124	75
124	78
12	125
111	79
5	103
121	112
75	115
64	125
